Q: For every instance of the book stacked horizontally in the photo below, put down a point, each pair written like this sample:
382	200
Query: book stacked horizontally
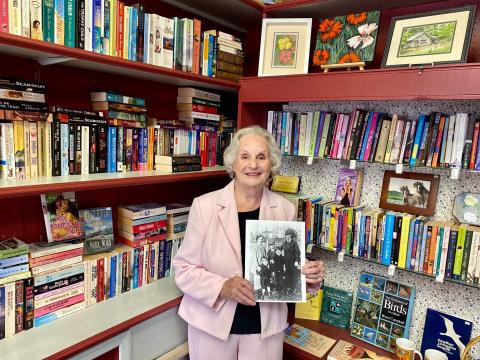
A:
177	216
58	280
198	107
14	278
178	163
228	57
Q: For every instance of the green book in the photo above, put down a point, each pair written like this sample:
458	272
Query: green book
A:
457	265
323	142
336	307
48	13
466	254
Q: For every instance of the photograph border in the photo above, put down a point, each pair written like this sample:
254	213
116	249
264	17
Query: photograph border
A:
389	47
432	198
301	67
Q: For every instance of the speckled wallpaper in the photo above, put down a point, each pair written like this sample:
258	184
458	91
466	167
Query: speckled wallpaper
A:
321	178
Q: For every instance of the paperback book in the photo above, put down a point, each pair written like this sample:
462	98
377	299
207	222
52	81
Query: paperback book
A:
383	310
310	309
349	187
61	216
336	307
307	340
98	228
346	351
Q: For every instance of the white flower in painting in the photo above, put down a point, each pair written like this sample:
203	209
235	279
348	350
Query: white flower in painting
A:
470	217
365	30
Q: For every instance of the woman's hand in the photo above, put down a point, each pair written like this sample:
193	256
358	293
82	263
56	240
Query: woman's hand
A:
238	289
314	272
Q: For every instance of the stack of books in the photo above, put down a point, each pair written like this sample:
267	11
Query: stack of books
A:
178	163
177	216
58	282
198	107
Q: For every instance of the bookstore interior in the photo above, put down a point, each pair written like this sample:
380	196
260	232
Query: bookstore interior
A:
114	116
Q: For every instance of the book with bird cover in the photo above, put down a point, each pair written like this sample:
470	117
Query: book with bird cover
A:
383	310
446	333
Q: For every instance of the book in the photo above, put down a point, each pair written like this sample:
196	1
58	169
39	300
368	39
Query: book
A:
446	333
344	350
140	211
336	307
383	310
307	340
180	159
98	227
12	247
310	309
349	187
61	216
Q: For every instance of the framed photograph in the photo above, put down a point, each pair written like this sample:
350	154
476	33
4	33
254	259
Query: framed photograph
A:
412	193
274	256
438	37
345	39
284	47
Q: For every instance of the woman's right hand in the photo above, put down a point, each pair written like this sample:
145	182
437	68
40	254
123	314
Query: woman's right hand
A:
238	289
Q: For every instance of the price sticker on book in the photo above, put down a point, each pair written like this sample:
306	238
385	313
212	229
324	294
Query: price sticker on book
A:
353	164
391	270
399	169
310	160
455	174
341	256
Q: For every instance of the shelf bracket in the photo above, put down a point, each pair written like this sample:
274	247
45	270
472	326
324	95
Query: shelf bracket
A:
52	60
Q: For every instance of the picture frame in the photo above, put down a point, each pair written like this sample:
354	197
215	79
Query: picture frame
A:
285	46
436	37
412	193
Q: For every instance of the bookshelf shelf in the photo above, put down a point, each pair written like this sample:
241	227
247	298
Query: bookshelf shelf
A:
45	52
27	187
85	328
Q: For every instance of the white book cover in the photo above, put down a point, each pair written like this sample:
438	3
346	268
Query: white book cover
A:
64	140
308	134
461	124
33	150
167	43
185	49
444	251
36	22
85	150
473	257
156	49
88	25
301	133
288	133
47	148
14	17
274	256
26	18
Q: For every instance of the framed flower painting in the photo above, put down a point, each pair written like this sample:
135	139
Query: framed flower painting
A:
346	39
284	47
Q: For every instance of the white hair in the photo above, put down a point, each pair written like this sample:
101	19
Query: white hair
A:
230	153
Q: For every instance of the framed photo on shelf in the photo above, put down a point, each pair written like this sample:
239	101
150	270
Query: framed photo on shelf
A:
412	193
437	37
284	47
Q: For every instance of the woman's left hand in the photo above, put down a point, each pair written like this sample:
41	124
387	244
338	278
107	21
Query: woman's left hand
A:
314	272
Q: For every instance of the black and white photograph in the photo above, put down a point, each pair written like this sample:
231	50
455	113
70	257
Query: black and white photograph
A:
274	256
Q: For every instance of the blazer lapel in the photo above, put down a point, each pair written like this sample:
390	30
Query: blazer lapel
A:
267	206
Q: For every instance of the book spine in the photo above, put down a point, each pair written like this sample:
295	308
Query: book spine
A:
59	22
42	320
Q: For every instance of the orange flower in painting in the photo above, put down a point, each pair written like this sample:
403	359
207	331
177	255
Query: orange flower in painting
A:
349	58
321	57
356	19
329	29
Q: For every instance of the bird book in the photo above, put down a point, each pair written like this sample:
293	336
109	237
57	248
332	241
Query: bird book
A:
383	310
446	333
336	307
60	213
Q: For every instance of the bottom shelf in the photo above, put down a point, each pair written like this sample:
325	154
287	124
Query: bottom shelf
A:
68	336
293	353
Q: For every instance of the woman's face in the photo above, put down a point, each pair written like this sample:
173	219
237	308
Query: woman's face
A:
252	165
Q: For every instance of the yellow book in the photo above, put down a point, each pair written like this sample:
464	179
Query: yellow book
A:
19	147
331	238
310	309
402	254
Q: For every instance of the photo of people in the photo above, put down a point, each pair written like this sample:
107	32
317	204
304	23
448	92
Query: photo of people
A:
275	253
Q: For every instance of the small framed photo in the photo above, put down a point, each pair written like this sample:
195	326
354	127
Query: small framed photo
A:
284	47
412	193
438	37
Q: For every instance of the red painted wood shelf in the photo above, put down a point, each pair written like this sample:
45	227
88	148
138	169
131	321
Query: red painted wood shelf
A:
27	187
45	53
293	353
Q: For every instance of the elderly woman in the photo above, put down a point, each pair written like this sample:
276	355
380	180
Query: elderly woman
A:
224	321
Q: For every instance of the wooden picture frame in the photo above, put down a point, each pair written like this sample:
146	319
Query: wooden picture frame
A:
285	46
412	193
436	37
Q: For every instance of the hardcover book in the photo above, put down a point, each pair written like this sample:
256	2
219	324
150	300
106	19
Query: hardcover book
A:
307	340
336	307
346	351
98	228
61	217
383	310
446	333
349	187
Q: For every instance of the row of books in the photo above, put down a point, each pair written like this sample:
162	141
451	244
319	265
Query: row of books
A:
110	27
436	140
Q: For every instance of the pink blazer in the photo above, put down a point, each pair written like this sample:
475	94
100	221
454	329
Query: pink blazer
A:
210	254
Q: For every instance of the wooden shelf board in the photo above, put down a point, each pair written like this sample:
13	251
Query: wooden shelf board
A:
458	81
316	8
70	335
235	14
44	51
27	187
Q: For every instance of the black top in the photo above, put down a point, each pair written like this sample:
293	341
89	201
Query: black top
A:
247	318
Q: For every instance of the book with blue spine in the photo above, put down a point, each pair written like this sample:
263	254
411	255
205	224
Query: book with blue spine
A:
383	310
112	149
98	229
15	260
446	333
418	139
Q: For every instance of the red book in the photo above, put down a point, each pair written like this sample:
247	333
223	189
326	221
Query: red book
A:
120	25
473	154
100	280
197	34
438	141
142	242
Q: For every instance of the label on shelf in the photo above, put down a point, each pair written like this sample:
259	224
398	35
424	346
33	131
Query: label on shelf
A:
341	256
310	160
391	270
455	174
398	168
353	164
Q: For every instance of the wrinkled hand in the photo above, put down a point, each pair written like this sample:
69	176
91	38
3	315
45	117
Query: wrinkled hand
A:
314	272
238	289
